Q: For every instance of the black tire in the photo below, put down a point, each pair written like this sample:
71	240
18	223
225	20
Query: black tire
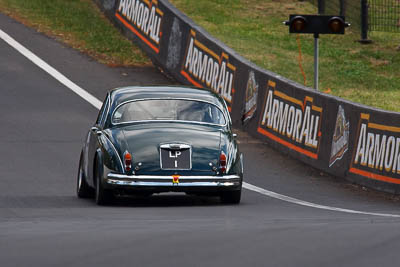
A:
83	190
103	196
231	197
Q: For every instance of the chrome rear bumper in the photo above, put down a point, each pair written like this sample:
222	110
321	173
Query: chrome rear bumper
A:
168	181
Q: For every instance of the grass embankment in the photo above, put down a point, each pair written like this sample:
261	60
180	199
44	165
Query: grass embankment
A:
368	74
81	25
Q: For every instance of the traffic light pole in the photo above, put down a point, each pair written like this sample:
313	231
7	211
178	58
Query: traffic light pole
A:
316	55
317	25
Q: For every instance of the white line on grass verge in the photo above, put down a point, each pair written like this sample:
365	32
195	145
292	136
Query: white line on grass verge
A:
97	104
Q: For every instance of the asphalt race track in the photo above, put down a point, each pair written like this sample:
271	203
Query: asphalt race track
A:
43	223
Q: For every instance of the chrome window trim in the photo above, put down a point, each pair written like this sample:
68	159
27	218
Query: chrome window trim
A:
171	98
182	146
226	107
108	110
170	121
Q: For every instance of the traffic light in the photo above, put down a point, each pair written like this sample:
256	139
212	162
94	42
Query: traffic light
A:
316	24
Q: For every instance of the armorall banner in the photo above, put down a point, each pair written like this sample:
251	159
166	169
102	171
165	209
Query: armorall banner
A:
377	150
205	67
292	122
143	18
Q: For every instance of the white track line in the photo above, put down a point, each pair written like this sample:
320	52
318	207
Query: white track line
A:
97	104
50	70
309	204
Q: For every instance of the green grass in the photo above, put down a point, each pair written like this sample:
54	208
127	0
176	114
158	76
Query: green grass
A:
80	24
368	74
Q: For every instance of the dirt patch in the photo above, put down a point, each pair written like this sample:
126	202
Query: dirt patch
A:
379	62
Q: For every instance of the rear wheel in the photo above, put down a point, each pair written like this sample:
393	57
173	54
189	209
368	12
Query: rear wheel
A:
231	197
103	196
83	190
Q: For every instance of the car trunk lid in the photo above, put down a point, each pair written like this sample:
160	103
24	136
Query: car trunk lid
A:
174	141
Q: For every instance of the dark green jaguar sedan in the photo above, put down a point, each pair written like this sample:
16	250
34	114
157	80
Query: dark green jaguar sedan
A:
161	139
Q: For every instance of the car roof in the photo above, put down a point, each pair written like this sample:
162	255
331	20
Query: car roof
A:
130	93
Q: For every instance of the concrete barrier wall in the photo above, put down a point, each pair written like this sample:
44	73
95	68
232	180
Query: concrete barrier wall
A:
339	137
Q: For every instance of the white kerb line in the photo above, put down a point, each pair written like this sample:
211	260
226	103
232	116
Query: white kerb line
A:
97	104
309	204
50	70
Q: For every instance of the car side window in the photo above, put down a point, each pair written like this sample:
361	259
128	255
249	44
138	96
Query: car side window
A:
103	112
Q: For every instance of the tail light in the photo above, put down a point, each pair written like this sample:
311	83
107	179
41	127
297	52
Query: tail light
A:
128	161
222	162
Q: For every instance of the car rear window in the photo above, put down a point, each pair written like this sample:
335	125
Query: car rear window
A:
168	110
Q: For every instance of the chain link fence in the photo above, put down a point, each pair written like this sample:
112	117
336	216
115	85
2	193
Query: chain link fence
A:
384	15
364	15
